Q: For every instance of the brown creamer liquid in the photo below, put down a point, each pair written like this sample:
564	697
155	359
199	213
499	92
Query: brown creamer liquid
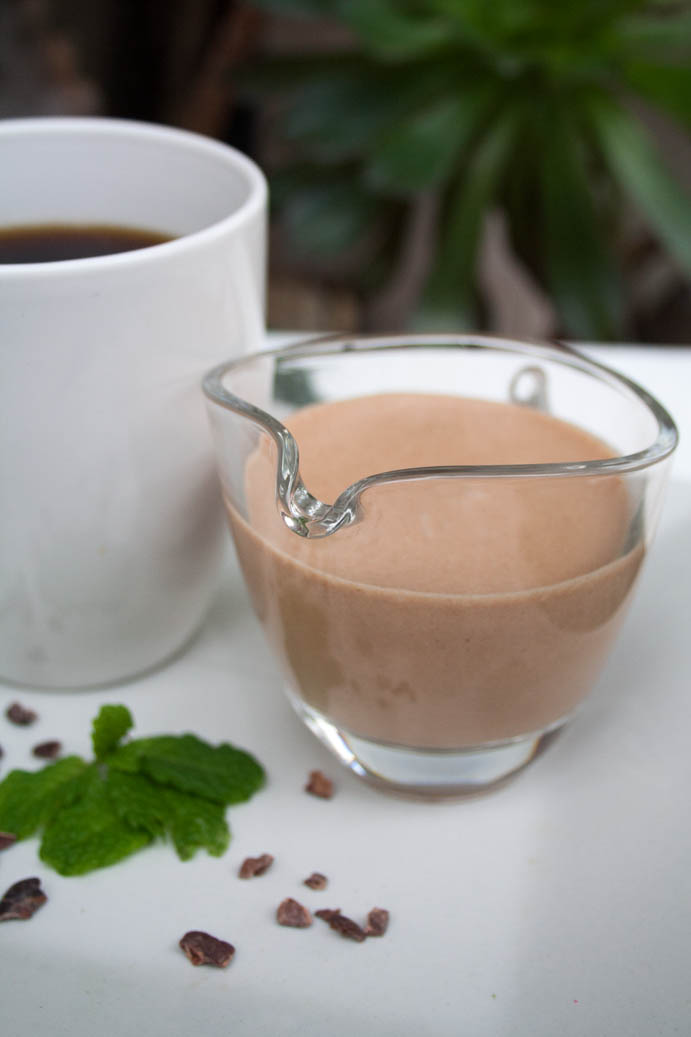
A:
456	611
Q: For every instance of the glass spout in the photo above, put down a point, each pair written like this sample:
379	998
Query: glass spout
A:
302	512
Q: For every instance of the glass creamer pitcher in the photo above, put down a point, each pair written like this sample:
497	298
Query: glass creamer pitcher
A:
440	535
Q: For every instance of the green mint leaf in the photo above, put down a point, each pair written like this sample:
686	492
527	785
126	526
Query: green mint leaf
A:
191	822
95	814
197	824
128	757
219	773
89	834
138	801
111	724
29	799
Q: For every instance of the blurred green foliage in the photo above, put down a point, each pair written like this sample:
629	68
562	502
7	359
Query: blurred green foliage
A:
518	103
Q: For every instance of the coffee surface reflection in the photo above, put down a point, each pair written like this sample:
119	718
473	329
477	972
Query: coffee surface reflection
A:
56	242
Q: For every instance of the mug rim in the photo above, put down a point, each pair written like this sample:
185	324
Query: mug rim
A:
101	126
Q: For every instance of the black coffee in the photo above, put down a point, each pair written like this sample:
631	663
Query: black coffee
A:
52	242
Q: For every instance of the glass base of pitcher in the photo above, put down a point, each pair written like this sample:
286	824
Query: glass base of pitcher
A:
432	773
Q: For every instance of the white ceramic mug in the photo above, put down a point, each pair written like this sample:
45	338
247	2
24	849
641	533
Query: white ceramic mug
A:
110	524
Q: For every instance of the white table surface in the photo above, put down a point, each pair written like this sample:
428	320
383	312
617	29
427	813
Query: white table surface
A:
559	906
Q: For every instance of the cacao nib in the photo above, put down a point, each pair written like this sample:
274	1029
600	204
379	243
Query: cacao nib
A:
347	927
377	922
47	750
22	899
252	866
316	881
293	914
204	949
342	924
18	715
320	785
327	913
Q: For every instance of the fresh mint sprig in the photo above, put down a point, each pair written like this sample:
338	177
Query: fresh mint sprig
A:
109	728
92	815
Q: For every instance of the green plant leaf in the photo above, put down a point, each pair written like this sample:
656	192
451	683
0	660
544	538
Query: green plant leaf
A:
338	117
535	27
357	108
196	824
304	8
391	33
419	153
89	834
110	725
94	815
280	75
658	37
632	157
192	822
667	86
327	218
450	288
138	801
581	275
28	799
220	773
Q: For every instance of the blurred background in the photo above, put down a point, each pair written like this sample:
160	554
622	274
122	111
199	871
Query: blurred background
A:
517	166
